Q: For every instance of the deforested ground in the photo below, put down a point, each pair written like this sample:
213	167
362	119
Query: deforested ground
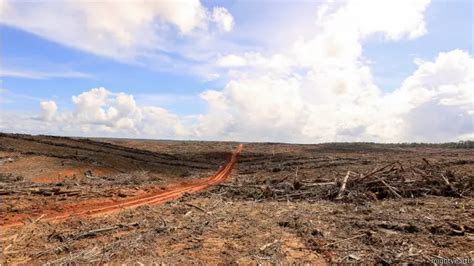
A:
352	202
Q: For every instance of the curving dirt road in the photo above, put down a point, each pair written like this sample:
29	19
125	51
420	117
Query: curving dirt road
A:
172	192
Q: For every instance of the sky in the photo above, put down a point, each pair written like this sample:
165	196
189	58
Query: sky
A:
279	71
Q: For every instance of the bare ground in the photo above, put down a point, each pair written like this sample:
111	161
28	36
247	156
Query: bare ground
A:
282	203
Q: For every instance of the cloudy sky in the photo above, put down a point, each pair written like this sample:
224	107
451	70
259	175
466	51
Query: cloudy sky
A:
290	71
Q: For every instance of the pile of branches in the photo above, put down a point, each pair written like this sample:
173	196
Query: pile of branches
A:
287	188
393	180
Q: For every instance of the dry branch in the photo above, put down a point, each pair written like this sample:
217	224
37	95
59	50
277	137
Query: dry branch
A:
389	188
344	240
318	184
197	207
343	186
376	171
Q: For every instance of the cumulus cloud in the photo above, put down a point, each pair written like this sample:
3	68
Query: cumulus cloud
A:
319	89
223	19
135	29
100	106
327	93
358	20
374	16
434	104
48	110
100	111
159	122
342	28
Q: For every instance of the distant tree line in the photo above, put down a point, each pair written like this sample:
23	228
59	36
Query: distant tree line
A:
463	144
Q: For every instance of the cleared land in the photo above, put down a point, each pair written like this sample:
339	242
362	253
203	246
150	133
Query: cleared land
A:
293	203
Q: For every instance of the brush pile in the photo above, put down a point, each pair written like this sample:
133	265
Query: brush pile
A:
393	180
398	181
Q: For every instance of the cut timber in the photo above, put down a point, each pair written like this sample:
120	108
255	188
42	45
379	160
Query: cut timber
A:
343	186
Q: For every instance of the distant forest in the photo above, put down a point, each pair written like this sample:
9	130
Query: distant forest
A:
464	144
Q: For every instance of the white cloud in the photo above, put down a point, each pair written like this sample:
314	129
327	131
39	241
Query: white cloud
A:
48	110
327	93
339	106
159	122
218	120
374	16
320	88
41	75
342	28
124	30
223	19
100	111
89	105
256	62
113	111
341	33
436	103
231	61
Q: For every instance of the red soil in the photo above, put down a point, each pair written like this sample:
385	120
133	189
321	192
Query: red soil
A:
90	208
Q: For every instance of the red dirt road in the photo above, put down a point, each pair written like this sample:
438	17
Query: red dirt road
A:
91	208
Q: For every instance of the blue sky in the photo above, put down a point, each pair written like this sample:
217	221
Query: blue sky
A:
178	67
25	51
449	26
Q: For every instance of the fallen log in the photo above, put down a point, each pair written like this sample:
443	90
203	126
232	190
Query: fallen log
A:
101	230
376	171
343	186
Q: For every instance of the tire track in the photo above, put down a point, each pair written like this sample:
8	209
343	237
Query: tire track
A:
155	198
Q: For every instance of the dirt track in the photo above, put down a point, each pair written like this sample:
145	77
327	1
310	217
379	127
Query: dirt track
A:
172	192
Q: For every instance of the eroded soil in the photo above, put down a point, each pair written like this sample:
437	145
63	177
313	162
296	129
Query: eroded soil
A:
281	203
